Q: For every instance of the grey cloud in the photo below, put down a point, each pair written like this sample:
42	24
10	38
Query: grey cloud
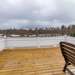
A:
37	11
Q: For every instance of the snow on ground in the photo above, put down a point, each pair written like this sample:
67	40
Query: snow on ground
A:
27	42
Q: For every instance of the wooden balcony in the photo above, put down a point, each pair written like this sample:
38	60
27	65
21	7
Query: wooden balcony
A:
40	61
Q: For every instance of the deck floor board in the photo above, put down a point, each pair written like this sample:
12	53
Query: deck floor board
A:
40	61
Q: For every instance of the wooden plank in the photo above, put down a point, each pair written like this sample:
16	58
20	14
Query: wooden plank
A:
69	47
68	51
66	43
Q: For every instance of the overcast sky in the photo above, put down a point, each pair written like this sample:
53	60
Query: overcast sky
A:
43	12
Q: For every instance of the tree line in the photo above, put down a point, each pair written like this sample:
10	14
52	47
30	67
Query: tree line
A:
48	31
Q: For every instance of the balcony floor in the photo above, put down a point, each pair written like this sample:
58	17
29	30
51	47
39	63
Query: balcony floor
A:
34	61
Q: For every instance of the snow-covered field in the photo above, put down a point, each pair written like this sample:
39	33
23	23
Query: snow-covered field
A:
28	42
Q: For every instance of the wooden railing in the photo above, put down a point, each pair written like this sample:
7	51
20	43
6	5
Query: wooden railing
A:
68	51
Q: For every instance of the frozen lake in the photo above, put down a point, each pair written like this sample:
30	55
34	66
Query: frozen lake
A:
38	42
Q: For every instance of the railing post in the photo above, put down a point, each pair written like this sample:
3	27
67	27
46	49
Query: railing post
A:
5	41
38	44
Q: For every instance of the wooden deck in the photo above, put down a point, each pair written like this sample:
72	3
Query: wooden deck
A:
40	61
